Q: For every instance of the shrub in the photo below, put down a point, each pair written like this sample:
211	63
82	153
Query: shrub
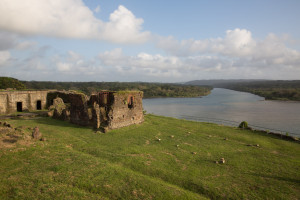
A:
243	125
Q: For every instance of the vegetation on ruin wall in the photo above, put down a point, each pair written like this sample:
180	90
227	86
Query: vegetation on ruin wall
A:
7	82
163	158
271	90
150	89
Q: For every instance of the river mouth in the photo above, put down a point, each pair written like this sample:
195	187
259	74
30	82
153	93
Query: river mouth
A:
230	107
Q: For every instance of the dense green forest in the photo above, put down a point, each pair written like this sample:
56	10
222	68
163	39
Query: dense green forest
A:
150	89
271	90
12	83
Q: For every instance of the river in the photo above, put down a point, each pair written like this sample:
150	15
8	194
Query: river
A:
230	107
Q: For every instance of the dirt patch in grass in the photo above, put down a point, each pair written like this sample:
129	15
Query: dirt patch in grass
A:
11	137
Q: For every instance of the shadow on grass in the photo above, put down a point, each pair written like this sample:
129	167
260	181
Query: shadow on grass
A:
55	122
276	178
272	135
9	140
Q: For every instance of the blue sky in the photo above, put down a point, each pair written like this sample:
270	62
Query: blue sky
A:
161	41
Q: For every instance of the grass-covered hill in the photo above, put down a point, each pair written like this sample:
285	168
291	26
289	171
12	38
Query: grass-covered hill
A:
163	158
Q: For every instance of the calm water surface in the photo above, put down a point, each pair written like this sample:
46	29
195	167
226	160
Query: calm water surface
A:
230	107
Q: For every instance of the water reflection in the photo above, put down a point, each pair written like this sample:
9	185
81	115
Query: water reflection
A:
231	107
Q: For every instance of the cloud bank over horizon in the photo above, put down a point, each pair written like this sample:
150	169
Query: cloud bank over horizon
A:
237	54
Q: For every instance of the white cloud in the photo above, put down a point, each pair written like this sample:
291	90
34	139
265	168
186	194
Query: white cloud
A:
63	67
24	45
237	42
124	27
7	40
144	66
69	19
4	57
240	47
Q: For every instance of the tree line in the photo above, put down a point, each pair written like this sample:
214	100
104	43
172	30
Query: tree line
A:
150	90
271	90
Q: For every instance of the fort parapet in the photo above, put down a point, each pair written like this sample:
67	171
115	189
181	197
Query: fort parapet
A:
105	109
19	101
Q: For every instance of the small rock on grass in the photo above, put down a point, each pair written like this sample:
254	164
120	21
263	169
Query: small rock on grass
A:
253	145
221	161
36	134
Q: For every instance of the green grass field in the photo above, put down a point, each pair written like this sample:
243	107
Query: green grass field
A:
132	163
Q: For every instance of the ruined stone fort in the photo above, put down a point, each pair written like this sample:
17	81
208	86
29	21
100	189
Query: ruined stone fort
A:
105	109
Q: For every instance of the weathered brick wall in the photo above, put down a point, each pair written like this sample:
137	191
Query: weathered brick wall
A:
9	99
126	109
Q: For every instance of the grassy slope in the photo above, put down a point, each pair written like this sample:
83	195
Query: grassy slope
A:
130	163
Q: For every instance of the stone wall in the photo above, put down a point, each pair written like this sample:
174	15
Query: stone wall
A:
126	109
79	112
11	101
119	109
106	109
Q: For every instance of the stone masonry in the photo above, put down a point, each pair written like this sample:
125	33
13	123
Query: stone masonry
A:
13	101
105	109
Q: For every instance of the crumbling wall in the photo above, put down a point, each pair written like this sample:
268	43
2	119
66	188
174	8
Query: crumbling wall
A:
28	100
96	116
64	95
79	109
59	110
76	103
105	109
126	109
